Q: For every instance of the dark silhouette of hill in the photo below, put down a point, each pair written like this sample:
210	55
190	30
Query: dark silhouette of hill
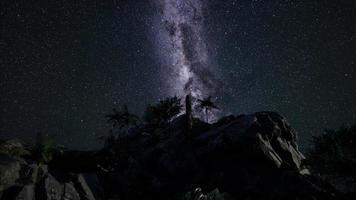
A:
246	157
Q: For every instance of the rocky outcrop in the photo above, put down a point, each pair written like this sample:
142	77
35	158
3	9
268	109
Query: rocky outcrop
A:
264	134
9	171
246	157
13	148
249	156
23	179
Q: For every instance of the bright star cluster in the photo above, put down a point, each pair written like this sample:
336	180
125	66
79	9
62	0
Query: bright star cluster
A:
65	64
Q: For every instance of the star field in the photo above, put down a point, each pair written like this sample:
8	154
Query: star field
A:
65	64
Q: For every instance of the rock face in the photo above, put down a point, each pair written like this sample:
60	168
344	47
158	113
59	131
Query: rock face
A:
23	179
9	171
247	157
264	134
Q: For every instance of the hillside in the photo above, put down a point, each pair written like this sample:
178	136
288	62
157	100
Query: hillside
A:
245	157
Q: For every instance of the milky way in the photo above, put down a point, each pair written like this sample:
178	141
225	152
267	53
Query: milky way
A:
184	49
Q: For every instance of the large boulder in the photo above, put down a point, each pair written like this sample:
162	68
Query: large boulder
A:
264	134
23	179
249	156
13	148
50	189
9	171
85	190
27	192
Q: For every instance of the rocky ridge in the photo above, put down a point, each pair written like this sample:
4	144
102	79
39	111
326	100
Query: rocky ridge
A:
246	157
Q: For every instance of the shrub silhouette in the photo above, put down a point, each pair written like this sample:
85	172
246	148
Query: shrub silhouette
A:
207	105
333	157
334	151
43	150
161	113
122	119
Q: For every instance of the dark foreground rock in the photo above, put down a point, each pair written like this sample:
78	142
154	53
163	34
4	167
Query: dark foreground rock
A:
246	157
23	179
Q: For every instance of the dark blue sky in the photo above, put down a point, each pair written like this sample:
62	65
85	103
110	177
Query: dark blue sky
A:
64	64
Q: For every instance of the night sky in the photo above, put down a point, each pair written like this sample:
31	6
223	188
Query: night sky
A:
65	64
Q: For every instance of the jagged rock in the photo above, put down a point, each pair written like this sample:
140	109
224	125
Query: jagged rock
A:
70	192
28	174
24	179
248	156
13	148
42	171
85	191
52	189
95	186
9	170
266	134
27	193
281	137
49	189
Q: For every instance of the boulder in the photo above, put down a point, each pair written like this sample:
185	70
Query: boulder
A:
42	171
249	156
9	170
84	189
13	148
49	189
27	192
70	193
89	187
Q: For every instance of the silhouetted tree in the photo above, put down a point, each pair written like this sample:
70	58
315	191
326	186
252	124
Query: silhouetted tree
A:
333	155
188	112
207	105
334	149
122	119
163	111
43	149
